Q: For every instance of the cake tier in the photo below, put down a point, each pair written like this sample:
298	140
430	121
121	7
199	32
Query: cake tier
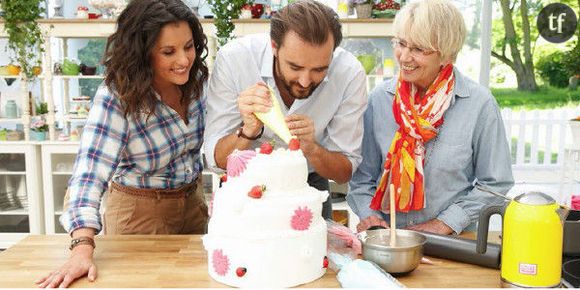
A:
288	259
282	170
235	212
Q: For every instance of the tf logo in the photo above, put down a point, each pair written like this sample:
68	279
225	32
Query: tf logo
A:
557	22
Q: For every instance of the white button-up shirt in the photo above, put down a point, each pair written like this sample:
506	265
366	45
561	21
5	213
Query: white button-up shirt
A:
336	106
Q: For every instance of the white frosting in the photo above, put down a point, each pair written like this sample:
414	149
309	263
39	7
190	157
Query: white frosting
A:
281	171
257	233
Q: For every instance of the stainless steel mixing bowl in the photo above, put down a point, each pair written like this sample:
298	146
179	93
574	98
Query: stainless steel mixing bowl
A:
404	257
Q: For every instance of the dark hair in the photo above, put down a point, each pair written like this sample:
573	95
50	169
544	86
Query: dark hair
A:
311	20
127	58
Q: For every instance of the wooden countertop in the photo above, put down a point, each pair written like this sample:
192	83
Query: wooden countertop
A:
180	261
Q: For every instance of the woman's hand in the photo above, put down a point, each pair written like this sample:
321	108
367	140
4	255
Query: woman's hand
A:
371	221
78	265
432	226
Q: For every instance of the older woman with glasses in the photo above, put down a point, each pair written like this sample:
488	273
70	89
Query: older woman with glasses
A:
432	134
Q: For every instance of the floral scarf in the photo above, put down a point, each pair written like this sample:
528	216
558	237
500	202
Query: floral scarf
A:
418	123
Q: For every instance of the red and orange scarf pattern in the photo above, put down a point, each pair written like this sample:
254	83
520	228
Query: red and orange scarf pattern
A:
418	119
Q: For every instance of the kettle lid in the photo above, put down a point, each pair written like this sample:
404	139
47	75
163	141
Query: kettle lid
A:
535	198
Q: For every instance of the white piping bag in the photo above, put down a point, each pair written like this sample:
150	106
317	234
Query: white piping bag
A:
274	119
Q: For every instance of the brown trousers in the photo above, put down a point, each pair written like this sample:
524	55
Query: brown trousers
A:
137	211
133	211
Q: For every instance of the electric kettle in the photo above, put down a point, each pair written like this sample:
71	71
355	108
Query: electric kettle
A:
531	250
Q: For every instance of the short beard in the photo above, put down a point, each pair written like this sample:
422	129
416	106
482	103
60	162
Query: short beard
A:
287	85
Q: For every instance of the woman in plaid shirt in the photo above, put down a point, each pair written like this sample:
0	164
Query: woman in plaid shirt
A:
141	143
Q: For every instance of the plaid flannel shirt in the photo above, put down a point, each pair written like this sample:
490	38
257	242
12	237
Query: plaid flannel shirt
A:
156	152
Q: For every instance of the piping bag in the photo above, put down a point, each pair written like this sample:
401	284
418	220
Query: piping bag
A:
274	119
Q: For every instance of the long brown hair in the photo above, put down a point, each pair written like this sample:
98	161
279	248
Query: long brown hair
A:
129	72
311	20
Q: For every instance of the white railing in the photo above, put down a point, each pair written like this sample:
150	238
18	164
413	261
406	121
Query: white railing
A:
538	138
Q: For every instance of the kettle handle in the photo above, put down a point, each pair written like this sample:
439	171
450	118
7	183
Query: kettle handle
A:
483	226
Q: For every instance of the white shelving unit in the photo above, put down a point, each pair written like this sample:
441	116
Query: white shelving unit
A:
21	205
25	117
57	164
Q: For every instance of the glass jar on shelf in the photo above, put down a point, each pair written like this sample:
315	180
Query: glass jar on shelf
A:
11	109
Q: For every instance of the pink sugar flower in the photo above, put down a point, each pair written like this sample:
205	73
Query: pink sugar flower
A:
301	219
221	262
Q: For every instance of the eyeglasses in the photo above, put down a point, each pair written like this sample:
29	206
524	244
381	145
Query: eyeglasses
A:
415	51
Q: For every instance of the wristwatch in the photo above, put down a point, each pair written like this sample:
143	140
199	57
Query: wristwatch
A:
240	133
82	241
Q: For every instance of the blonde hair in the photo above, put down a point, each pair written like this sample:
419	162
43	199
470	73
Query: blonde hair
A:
432	24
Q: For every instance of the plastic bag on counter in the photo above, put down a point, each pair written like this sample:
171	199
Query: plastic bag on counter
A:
342	240
343	250
361	274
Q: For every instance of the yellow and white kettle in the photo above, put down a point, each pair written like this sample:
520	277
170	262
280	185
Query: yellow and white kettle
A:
531	251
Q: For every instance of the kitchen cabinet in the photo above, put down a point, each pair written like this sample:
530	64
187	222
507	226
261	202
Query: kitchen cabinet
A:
57	165
21	204
58	159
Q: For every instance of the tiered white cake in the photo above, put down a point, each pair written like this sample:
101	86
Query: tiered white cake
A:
274	238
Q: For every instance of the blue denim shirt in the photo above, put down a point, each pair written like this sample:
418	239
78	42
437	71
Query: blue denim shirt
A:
471	148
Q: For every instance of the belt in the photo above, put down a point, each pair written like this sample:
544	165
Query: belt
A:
158	193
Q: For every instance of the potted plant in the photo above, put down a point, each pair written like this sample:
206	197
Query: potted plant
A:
38	129
24	35
41	108
575	128
224	11
363	8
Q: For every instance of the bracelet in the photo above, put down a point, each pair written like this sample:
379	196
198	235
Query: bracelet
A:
82	241
240	133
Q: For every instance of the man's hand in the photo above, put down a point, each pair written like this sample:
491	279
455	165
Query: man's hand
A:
254	99
302	127
78	265
432	226
371	221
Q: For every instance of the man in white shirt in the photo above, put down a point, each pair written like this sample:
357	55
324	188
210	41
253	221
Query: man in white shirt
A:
321	89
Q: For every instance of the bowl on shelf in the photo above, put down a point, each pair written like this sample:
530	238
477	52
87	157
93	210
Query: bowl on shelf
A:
387	13
70	68
88	70
82	98
14	136
14	70
4	71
